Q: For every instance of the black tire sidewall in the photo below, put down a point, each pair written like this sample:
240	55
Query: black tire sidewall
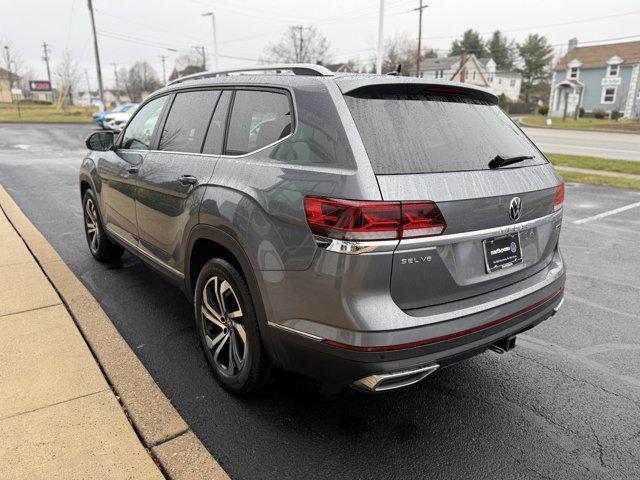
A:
248	378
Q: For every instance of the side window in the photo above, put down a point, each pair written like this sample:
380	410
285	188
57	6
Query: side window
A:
187	121
215	134
257	120
138	134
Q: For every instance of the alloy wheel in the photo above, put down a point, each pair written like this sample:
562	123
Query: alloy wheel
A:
91	225
224	329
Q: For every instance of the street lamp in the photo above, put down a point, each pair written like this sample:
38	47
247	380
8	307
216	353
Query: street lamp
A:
215	38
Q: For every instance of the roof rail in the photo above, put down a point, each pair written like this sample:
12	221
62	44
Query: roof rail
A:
296	68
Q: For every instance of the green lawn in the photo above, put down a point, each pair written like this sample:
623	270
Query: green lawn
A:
629	126
600	180
594	163
30	112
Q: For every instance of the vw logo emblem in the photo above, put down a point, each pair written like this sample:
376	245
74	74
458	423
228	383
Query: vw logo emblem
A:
515	208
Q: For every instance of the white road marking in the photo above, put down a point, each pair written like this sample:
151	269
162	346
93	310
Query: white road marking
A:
606	214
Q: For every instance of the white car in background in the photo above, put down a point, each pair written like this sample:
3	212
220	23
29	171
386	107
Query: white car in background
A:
117	120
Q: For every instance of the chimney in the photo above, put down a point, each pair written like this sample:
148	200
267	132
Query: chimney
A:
463	61
573	43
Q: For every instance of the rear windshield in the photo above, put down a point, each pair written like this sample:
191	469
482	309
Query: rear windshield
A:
427	133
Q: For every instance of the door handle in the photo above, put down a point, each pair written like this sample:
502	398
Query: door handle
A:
133	169
188	180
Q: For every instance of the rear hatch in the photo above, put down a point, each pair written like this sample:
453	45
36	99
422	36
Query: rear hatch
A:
434	143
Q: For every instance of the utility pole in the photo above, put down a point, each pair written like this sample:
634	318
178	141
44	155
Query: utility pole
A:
115	74
215	37
97	53
300	28
418	53
380	38
164	70
45	57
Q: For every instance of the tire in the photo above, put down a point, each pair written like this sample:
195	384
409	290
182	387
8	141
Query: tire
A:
102	249
228	329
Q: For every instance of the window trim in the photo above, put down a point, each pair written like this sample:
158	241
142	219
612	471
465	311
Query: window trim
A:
617	67
569	72
604	90
292	109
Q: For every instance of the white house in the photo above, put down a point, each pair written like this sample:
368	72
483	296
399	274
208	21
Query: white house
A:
470	69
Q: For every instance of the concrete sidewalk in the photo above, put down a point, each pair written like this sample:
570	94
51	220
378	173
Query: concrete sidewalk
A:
59	418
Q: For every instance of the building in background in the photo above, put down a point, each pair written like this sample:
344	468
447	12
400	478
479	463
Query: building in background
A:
339	67
112	98
6	87
470	69
599	77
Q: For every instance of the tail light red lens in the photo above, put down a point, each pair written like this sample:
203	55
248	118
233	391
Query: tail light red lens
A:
355	220
557	203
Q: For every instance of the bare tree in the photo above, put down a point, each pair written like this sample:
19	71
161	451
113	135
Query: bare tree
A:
140	80
299	45
401	50
12	62
67	75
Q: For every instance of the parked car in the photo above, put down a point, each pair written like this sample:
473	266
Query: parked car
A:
364	230
116	121
98	117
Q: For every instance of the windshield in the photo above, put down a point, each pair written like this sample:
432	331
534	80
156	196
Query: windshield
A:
426	133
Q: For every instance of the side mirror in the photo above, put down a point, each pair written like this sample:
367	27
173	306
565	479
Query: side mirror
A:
100	141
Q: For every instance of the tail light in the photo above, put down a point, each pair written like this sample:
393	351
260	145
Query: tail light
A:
355	220
557	203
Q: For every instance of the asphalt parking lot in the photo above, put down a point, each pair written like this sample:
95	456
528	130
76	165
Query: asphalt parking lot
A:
565	404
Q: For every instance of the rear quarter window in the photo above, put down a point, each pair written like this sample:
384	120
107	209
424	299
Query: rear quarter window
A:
427	133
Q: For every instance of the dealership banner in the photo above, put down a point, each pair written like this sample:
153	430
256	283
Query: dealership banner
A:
39	85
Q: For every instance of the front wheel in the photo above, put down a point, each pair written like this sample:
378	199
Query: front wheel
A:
228	328
100	246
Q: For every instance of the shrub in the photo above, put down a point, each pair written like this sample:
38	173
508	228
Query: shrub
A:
600	114
581	112
543	109
616	114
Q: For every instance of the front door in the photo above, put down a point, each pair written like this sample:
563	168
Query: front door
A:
172	179
118	171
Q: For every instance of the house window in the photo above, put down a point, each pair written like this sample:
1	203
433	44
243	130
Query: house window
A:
608	95
512	83
613	70
574	72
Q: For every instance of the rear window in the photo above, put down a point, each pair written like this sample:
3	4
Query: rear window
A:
428	133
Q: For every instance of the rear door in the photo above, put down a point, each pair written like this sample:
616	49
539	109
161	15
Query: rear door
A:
172	178
436	145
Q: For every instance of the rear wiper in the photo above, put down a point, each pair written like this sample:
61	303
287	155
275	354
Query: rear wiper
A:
500	161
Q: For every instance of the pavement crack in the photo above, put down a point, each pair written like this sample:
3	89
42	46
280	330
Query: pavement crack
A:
578	380
600	447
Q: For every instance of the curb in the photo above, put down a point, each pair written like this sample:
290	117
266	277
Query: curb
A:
161	429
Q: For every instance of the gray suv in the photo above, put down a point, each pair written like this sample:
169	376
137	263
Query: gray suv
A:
363	230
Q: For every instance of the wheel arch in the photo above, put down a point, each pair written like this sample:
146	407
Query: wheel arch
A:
206	242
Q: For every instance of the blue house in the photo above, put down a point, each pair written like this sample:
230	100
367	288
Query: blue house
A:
599	77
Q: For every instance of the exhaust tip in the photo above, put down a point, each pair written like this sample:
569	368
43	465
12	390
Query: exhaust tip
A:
389	381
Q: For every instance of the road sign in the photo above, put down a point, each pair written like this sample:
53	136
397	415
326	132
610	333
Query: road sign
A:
39	85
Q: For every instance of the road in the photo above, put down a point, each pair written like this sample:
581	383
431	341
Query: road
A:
620	146
564	404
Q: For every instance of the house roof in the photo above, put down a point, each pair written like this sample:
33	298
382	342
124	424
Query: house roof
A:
6	74
597	55
441	63
339	67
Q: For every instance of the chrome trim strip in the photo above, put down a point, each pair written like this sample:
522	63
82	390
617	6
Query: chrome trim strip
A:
145	254
411	243
353	247
376	383
294	331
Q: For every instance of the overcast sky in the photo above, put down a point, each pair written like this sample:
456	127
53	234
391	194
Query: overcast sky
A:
146	29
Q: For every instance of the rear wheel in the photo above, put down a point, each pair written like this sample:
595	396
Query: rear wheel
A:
100	246
228	328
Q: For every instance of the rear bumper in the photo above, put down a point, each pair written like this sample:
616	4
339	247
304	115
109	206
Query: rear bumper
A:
343	366
343	357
